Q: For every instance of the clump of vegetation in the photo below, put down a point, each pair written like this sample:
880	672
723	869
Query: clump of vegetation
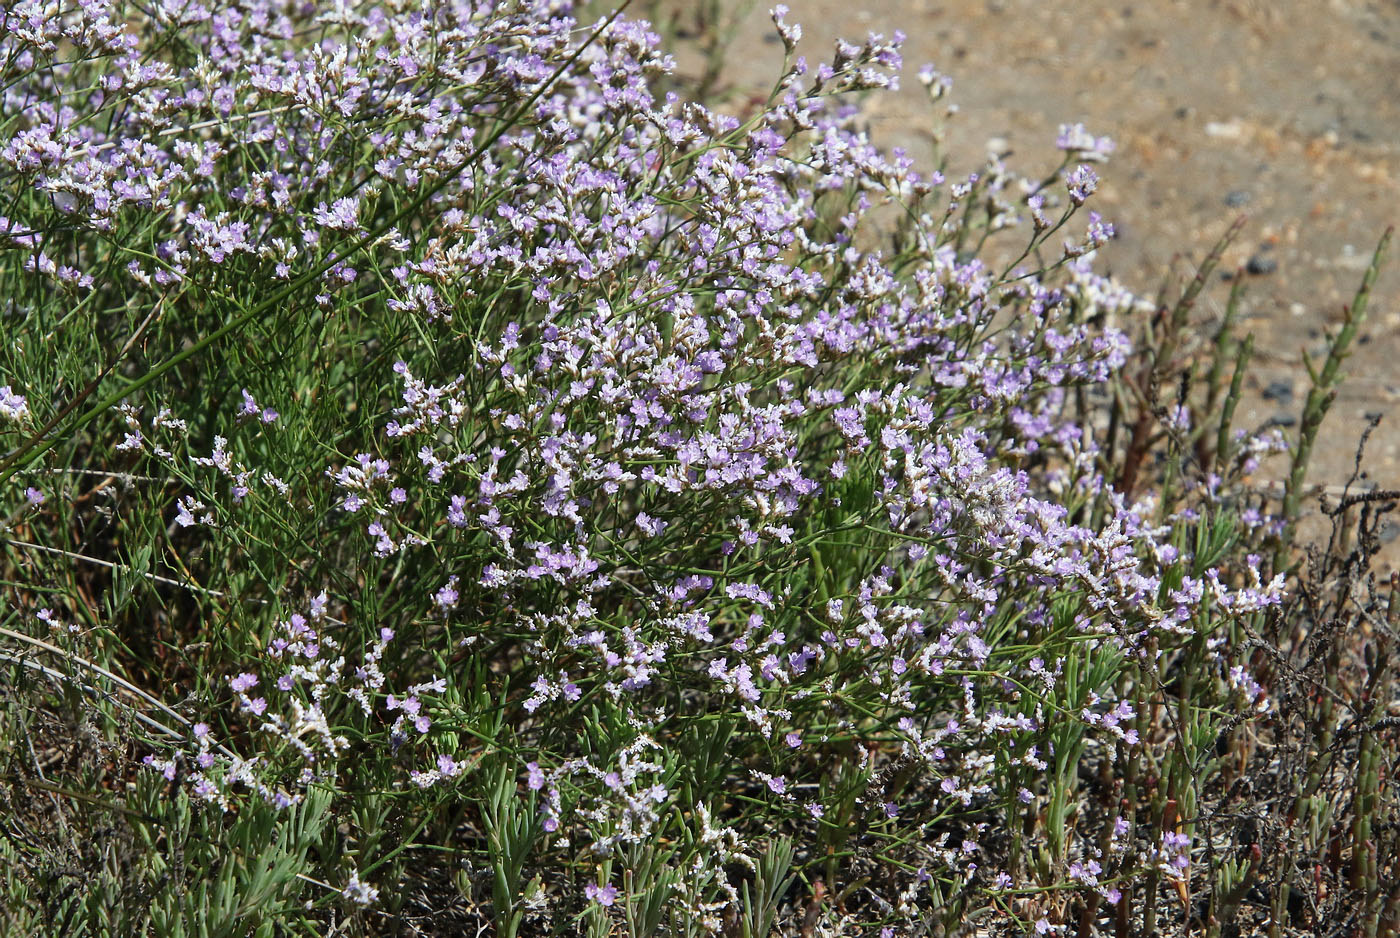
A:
450	482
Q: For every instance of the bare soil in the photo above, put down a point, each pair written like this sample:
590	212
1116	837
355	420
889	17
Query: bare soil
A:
1287	111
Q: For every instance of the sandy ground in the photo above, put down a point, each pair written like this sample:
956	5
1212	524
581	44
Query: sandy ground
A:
1287	111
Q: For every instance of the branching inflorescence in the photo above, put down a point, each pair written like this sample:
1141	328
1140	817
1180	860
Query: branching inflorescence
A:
626	487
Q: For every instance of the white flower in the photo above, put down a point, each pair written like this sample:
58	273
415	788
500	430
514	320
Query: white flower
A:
358	892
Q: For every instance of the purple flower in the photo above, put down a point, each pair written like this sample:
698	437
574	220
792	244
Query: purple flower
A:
358	892
603	895
343	214
446	596
188	505
251	408
12	406
1075	140
457	512
1082	182
535	778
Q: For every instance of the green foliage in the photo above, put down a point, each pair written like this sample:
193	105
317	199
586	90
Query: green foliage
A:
1258	736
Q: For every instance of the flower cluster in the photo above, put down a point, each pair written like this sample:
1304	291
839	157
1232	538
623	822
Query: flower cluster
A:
726	494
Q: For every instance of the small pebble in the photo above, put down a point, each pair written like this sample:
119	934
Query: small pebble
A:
1280	390
1237	198
1259	265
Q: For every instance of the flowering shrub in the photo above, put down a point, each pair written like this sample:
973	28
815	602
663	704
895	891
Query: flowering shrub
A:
481	488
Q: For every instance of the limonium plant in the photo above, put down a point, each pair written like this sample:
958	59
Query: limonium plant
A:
452	479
